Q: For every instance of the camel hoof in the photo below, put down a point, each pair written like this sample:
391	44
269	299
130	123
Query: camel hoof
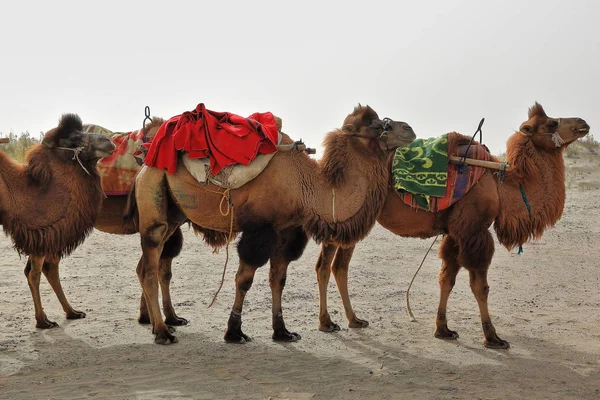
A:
358	323
329	327
176	321
144	320
171	329
46	324
496	343
446	334
166	338
286	336
76	315
238	338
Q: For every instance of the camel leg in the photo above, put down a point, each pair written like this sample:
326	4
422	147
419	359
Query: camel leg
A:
171	249
480	289
291	245
447	279
33	272
340	272
50	270
255	248
165	280
323	269
243	283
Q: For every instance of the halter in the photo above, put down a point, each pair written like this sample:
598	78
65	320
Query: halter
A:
387	127
556	138
77	150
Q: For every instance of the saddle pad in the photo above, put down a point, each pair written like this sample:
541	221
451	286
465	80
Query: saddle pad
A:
118	171
460	179
222	137
422	167
230	177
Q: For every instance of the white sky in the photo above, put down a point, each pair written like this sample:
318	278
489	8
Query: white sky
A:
438	65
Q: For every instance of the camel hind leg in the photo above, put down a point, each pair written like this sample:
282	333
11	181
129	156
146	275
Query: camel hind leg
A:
152	208
50	270
290	247
447	278
171	249
33	272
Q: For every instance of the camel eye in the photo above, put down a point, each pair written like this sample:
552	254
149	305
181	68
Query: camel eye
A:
552	124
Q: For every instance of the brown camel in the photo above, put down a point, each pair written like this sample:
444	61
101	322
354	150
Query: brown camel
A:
535	154
109	220
48	205
293	195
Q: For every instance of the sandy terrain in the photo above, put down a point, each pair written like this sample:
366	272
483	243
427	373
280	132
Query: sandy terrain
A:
546	303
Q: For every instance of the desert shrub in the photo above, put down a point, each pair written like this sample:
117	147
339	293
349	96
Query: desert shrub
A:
18	145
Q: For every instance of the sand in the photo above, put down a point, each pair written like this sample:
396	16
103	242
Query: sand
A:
546	303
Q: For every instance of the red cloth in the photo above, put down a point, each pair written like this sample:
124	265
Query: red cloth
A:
222	137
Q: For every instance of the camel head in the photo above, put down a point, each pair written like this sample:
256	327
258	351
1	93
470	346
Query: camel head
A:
364	123
70	142
551	133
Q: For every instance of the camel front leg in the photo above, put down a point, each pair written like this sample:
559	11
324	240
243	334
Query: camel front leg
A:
480	289
50	270
340	273
33	272
243	283
447	279
323	269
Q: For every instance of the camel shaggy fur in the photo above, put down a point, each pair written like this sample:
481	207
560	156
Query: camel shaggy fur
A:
293	195
49	205
535	154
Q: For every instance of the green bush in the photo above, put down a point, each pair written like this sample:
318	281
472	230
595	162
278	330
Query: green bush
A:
18	145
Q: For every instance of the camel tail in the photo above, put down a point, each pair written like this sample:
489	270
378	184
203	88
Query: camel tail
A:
131	209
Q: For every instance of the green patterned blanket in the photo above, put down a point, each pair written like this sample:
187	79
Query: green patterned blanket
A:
422	167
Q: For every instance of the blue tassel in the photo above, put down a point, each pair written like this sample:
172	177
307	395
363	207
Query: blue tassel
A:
520	250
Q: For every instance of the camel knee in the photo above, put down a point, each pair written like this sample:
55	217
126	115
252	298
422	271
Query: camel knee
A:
257	244
245	284
154	235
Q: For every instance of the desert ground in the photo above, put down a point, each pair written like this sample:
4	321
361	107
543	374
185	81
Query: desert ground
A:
545	302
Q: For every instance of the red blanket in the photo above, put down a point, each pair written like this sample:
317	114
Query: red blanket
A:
222	137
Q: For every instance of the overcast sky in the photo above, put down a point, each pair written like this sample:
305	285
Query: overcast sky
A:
438	65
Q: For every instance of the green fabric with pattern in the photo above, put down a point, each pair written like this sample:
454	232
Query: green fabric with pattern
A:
422	167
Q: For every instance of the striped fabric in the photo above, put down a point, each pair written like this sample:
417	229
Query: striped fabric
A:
460	180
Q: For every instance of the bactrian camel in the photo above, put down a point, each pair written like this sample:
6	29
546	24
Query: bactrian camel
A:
535	155
110	220
49	205
337	199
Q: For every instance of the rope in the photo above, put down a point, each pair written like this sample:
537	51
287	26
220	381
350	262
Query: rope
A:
410	313
526	201
333	204
76	152
230	209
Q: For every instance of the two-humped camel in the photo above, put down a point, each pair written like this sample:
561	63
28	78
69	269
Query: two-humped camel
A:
336	199
49	205
529	200
110	220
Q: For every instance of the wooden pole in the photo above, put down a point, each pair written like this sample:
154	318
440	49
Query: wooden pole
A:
502	166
